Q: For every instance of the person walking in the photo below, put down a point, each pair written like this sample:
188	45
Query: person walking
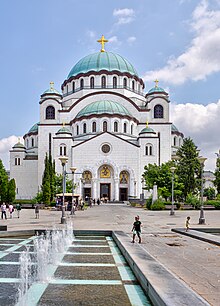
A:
3	210
18	208
187	223
11	210
37	209
136	229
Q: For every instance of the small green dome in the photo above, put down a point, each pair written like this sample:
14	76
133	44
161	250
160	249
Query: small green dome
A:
51	90
34	128
64	130
19	146
102	61
156	89
147	130
104	107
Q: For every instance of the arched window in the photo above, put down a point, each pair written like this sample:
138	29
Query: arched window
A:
73	86
125	83
149	149
158	111
114	82
63	150
131	129
27	143
84	128
92	82
125	127
103	82
17	161
50	112
32	142
133	85
116	126
174	141
81	84
94	127
77	130
105	126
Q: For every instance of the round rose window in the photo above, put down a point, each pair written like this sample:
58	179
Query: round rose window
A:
105	148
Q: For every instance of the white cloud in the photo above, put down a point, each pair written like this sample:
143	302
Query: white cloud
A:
124	15
131	39
91	34
113	39
201	58
6	144
201	123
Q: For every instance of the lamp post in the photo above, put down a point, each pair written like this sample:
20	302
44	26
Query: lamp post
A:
202	217
172	212
63	160
72	169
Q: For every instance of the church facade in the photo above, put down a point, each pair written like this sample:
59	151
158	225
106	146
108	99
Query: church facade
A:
107	126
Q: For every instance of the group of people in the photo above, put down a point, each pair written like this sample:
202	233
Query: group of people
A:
10	209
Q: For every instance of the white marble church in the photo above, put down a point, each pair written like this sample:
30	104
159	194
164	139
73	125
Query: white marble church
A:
107	126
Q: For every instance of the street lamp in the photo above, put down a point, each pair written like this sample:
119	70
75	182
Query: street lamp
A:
202	217
72	169
63	160
172	212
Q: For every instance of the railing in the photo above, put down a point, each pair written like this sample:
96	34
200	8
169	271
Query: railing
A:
102	88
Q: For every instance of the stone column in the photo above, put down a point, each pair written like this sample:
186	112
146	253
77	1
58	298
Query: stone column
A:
116	193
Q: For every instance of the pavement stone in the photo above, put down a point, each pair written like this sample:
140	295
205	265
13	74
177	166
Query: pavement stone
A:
195	262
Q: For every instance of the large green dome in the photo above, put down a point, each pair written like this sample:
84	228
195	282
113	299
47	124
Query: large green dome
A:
102	61
104	107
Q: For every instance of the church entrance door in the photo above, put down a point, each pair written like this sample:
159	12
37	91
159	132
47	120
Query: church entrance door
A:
123	194
105	190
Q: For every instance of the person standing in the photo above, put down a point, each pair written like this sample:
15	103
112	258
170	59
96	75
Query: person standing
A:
3	210
136	229
18	208
37	209
11	210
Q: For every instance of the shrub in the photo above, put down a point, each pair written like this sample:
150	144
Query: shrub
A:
215	203
192	200
158	205
178	205
133	204
149	203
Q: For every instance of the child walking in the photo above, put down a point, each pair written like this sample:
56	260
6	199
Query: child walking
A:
187	223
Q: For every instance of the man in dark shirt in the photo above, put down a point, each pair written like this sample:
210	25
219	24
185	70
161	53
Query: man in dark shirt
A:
136	229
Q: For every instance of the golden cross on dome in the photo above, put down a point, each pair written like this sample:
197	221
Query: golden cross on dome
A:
102	41
147	124
63	124
19	140
51	85
156	83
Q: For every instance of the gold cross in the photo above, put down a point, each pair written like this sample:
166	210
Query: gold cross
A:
102	41
156	83
51	85
147	124
63	124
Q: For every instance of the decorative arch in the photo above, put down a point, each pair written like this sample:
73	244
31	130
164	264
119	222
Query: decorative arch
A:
114	82
94	127
125	83
50	112
158	111
92	82
103	82
149	149
124	177
62	149
115	126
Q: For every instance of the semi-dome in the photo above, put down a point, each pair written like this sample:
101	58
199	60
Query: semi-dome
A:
147	130
156	89
34	128
51	90
102	61
64	130
104	107
19	146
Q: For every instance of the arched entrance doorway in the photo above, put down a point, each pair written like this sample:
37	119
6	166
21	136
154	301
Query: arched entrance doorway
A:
106	182
123	185
87	184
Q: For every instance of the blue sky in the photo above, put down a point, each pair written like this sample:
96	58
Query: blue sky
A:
176	41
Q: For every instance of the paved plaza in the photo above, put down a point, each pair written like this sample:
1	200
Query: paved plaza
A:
195	262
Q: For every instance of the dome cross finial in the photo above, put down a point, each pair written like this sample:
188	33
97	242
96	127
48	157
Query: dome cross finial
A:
102	41
156	83
51	85
147	124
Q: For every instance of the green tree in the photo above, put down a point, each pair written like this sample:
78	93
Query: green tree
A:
217	174
3	183
46	190
162	177
209	193
189	168
59	184
11	191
